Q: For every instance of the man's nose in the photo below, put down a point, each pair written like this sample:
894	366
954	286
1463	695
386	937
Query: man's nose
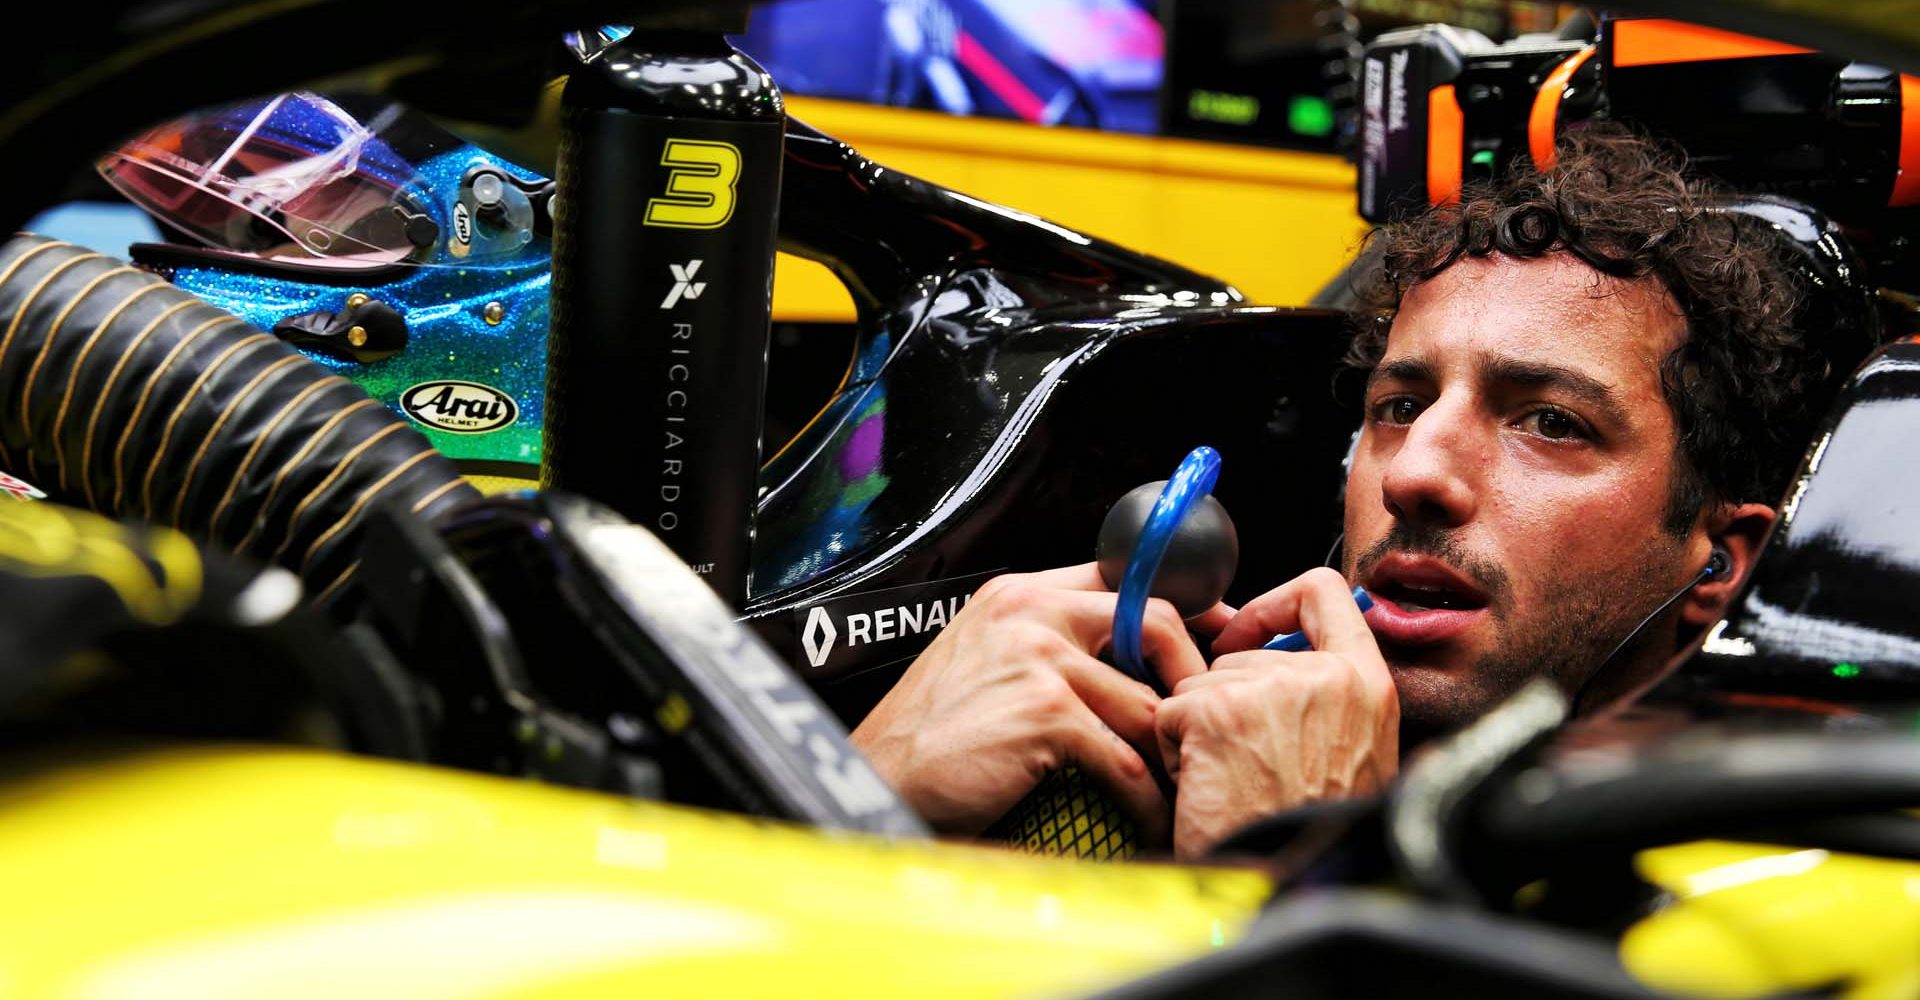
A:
1432	477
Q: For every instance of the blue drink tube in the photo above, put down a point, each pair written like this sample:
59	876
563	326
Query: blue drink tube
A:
1191	481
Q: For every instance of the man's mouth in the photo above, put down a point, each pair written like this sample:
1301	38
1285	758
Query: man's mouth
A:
1422	601
1414	598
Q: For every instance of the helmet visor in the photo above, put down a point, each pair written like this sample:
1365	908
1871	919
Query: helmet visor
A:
294	177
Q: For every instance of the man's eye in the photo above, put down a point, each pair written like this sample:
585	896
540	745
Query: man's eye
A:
1401	411
1554	425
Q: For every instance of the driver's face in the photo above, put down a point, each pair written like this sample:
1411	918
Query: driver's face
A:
1506	500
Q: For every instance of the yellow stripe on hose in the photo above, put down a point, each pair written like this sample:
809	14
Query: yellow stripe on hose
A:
47	346
442	490
106	392
362	500
146	392
259	440
354	567
339	469
26	304
80	361
21	313
287	467
7	275
338	581
199	454
47	342
180	410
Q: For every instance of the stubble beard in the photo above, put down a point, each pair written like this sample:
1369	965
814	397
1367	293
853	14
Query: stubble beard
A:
1580	622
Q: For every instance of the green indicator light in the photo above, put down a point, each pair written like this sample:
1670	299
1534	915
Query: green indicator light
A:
1845	670
1308	115
1227	109
1483	158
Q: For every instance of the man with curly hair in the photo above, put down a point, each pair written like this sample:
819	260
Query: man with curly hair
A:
1580	383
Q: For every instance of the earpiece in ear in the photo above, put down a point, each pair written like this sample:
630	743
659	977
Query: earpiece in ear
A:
1719	564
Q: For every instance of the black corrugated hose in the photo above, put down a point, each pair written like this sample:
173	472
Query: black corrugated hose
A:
126	395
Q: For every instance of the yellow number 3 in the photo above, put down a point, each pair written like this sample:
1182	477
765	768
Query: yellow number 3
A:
700	187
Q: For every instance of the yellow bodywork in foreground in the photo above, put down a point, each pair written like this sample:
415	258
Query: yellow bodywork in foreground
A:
219	873
1750	921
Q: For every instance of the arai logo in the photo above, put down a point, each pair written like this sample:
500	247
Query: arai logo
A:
462	223
460	407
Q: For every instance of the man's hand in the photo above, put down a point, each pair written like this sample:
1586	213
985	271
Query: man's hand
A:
1265	731
1011	690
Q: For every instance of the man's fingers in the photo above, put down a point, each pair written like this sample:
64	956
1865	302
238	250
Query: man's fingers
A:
1318	602
1087	620
1212	620
1070	590
1165	643
1085	616
1125	705
1330	617
1260	619
1232	669
1121	770
1169	728
1085	576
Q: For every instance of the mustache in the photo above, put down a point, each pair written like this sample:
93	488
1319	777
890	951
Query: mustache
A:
1439	543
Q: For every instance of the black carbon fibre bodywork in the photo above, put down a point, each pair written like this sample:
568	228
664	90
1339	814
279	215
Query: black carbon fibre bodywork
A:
1011	379
975	452
1832	610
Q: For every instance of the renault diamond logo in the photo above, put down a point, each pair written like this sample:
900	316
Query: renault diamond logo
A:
819	635
684	287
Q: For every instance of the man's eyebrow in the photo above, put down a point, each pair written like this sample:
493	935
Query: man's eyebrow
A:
1579	385
1402	370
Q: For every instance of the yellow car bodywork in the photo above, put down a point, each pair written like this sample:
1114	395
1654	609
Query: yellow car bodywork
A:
224	872
1752	920
216	873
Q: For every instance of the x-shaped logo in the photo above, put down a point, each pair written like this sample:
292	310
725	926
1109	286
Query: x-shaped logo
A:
684	287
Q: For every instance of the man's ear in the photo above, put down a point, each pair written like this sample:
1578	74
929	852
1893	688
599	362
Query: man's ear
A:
1738	530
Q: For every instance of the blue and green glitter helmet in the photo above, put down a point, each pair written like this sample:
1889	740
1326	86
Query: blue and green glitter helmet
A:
410	261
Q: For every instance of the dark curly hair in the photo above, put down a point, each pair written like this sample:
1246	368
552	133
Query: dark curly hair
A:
1743	385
